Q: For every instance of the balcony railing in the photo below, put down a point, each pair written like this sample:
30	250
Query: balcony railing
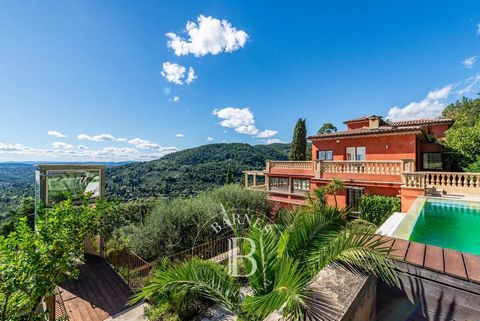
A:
303	165
450	182
360	167
370	170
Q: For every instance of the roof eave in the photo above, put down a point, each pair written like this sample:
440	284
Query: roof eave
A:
353	135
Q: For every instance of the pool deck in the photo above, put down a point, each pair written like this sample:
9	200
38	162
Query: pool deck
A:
446	261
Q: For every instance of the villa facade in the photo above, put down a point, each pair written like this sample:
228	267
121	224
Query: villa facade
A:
371	156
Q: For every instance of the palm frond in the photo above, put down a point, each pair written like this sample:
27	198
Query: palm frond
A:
311	228
263	243
205	279
358	249
288	294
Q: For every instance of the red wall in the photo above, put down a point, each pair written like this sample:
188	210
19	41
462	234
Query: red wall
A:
393	147
438	130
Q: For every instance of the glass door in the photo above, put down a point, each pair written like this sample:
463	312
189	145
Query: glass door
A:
353	197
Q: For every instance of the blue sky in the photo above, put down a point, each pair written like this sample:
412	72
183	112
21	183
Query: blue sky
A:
244	71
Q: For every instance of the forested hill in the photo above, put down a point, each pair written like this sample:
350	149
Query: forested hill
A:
189	171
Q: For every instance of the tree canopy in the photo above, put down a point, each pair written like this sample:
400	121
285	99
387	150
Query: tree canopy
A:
463	139
327	128
33	262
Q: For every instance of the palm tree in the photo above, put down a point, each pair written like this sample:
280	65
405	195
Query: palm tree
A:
317	198
335	186
288	256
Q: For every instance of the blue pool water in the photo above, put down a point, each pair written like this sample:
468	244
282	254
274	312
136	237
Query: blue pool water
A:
454	225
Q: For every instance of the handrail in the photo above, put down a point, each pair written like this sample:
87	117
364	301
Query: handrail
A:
205	250
451	181
290	165
135	269
360	161
381	167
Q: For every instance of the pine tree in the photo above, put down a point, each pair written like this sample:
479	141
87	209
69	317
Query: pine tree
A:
229	177
298	150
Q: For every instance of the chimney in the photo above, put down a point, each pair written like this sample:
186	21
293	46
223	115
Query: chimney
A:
374	122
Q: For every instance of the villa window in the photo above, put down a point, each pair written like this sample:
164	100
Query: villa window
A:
325	155
300	185
432	161
279	183
356	153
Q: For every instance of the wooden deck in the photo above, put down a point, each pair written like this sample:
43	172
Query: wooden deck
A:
446	261
435	284
97	294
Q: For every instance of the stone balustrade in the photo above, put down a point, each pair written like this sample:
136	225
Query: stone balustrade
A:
414	180
361	167
450	182
304	165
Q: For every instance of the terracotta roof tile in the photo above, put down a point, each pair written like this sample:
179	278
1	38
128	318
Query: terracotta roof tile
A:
366	117
421	122
368	131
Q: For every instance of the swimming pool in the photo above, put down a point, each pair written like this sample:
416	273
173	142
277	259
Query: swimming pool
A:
444	223
454	225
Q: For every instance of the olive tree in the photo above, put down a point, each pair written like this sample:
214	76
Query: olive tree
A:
33	262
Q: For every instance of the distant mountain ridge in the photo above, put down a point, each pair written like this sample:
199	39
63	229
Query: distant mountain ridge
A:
17	181
190	171
182	173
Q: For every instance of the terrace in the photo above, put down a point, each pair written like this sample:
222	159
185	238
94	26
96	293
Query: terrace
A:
374	170
111	275
279	177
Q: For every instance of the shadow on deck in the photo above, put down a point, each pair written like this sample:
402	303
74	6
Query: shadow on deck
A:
97	294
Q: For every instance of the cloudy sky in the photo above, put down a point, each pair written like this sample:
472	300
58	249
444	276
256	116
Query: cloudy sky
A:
135	80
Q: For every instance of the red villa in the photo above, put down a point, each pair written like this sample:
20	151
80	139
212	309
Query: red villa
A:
372	156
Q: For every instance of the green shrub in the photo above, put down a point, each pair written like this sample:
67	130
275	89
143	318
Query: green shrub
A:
242	201
117	214
376	208
176	225
173	226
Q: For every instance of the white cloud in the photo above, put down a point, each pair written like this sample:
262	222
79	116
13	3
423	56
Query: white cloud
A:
62	145
273	141
469	85
234	117
242	121
248	130
177	74
121	139
267	133
191	75
176	99
209	139
173	72
208	36
470	62
429	107
97	138
63	152
56	133
439	94
179	135
144	144
14	148
140	143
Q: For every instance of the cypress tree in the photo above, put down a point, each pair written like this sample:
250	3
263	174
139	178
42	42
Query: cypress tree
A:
298	150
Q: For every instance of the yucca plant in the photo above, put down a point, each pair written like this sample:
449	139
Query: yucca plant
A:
287	257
